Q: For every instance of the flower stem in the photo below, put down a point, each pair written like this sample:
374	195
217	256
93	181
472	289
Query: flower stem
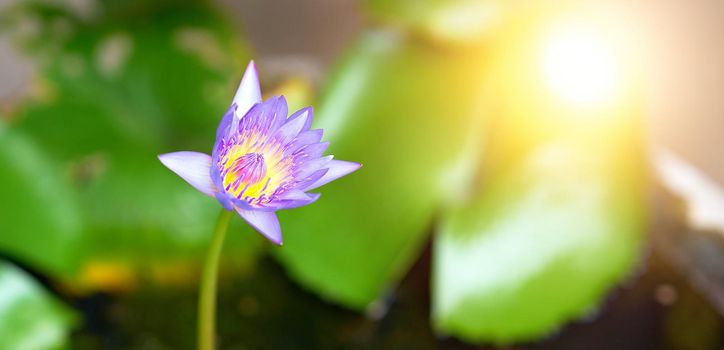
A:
207	292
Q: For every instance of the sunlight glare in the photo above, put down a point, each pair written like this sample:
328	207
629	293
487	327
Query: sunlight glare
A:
580	66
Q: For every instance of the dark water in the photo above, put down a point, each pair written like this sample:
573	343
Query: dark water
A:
654	309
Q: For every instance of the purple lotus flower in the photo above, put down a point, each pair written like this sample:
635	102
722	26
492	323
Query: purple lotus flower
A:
262	161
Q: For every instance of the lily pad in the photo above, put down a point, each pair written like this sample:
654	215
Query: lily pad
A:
406	112
540	245
30	318
40	218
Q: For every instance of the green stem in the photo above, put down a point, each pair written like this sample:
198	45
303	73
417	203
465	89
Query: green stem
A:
207	293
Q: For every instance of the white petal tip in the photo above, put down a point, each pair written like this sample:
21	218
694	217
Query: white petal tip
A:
274	241
248	94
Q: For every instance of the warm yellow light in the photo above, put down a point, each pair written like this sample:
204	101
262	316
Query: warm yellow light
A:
580	66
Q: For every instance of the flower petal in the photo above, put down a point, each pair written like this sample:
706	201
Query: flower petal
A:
265	117
311	179
293	127
295	200
315	150
337	169
265	222
249	93
305	113
295	195
193	167
223	130
304	138
311	166
310	136
225	201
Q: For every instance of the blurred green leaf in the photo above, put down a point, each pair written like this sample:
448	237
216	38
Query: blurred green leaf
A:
541	245
40	219
30	319
141	212
405	111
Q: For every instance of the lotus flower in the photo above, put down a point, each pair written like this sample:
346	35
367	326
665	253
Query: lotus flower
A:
262	161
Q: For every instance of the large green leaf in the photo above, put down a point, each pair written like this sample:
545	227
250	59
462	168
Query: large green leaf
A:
30	319
540	245
404	110
40	220
142	213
